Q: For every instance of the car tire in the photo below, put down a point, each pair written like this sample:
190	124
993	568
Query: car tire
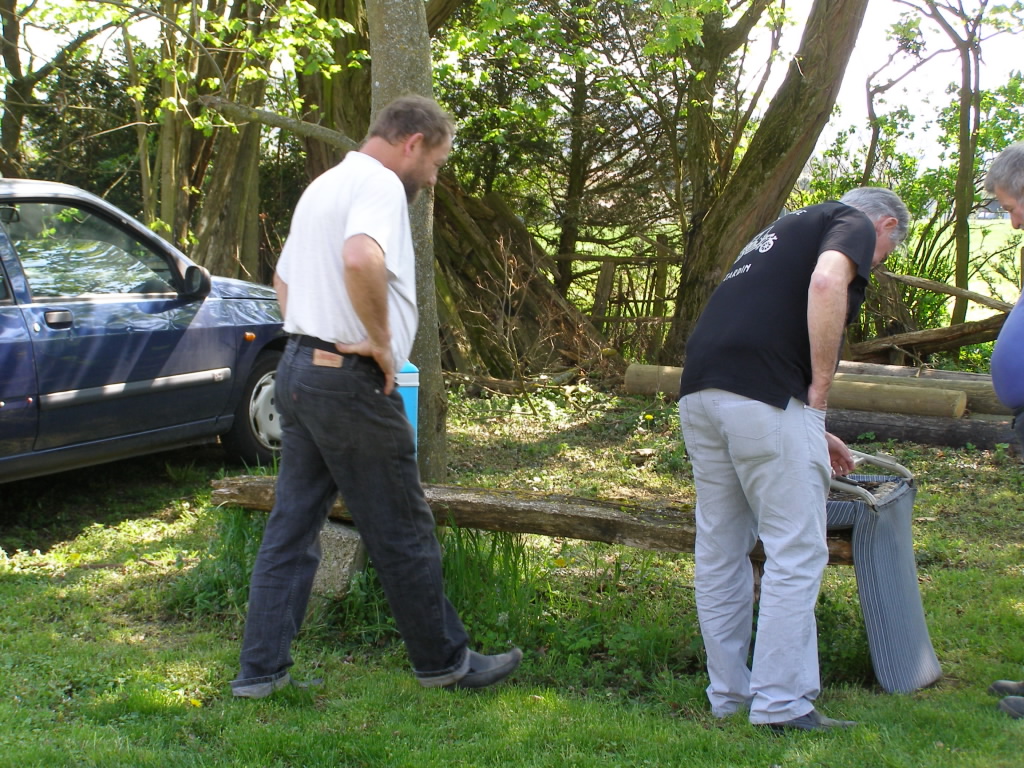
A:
255	435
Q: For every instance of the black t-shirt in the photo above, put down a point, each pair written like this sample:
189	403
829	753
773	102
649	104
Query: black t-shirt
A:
752	337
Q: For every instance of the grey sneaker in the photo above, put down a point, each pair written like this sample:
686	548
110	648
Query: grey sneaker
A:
262	690
1007	688
488	670
812	721
1013	706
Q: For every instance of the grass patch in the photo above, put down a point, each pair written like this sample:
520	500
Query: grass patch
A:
123	593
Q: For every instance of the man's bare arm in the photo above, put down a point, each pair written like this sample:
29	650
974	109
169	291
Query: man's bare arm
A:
826	320
282	294
366	279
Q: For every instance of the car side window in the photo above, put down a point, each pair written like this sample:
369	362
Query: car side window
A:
67	252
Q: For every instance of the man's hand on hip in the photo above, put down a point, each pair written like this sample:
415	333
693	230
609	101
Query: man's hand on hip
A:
382	354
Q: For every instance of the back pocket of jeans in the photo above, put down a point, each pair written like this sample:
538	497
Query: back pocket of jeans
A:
752	428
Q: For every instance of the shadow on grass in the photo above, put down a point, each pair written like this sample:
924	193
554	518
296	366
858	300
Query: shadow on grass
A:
37	513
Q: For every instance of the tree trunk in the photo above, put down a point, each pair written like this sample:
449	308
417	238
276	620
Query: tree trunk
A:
227	232
400	48
602	293
981	397
896	397
340	102
756	192
439	11
174	142
569	235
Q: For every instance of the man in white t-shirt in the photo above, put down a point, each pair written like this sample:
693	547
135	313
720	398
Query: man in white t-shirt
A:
346	284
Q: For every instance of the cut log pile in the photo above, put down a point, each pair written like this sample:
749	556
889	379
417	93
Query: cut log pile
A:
888	402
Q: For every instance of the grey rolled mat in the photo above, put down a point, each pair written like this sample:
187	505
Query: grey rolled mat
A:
890	599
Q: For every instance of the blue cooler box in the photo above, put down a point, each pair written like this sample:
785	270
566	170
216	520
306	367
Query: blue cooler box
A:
409	388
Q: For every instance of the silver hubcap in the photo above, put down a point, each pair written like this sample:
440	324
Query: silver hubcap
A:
263	416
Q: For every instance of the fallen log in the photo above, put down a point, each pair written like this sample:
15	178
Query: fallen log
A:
980	397
910	372
476	384
652	379
665	528
931	340
951	290
883	397
981	432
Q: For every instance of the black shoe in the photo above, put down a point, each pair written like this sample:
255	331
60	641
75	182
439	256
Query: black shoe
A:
488	670
812	721
1006	688
1013	706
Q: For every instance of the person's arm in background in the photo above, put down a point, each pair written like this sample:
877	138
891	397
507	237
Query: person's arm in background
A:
826	321
366	279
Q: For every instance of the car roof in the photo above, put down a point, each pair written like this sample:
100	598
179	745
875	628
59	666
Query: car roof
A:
41	188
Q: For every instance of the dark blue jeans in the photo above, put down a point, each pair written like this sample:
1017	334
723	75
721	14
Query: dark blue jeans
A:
340	433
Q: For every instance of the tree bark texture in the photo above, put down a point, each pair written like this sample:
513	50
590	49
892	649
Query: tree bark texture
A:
400	50
227	231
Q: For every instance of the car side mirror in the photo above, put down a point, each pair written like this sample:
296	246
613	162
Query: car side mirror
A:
197	283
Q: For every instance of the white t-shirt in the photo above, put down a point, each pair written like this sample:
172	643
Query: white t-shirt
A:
359	196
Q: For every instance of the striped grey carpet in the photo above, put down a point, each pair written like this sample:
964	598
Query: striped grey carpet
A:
890	599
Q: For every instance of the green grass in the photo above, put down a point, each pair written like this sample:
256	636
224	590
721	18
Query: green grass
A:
123	595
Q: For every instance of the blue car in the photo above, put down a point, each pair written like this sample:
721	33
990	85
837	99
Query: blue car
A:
114	344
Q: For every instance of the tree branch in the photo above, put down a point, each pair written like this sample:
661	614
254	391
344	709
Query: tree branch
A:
937	287
244	114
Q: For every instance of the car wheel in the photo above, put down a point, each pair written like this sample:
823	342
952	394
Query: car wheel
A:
255	436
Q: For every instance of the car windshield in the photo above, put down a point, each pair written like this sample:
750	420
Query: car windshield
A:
68	252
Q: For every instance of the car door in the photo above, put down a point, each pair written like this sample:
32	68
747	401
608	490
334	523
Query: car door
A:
117	350
18	394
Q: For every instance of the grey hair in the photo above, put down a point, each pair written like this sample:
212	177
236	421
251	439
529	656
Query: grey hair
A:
1007	172
876	202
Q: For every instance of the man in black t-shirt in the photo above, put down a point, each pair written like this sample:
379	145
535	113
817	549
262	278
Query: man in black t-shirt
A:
754	389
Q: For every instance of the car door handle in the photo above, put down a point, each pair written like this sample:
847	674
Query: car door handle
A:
58	319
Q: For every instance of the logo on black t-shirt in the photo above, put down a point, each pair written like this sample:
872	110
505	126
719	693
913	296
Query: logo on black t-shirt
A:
737	271
762	242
